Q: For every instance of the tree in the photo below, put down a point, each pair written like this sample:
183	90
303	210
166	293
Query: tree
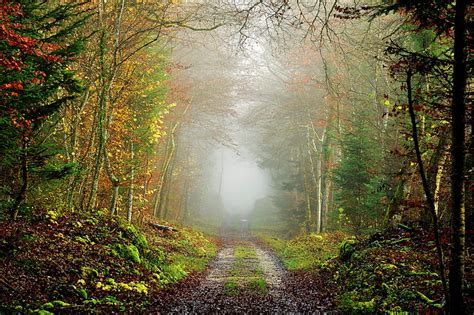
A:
445	65
358	176
36	48
458	116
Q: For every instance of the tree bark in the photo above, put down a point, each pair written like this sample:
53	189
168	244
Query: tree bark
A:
325	181
169	153
309	212
101	111
424	181
115	184
458	115
130	190
164	207
437	164
315	175
21	196
107	78
74	181
164	165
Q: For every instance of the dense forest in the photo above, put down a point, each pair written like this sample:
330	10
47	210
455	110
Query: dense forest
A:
236	156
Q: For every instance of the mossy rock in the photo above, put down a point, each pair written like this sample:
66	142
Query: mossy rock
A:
350	304
128	252
346	249
133	234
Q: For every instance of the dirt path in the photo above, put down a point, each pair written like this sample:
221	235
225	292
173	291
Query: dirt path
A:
247	278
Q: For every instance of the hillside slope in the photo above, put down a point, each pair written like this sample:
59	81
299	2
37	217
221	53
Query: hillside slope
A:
81	262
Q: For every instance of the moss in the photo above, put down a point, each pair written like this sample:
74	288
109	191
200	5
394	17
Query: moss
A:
346	249
134	235
141	262
52	216
307	251
189	263
89	272
42	312
384	277
82	293
129	252
111	285
61	303
153	259
427	300
173	273
53	304
47	305
349	303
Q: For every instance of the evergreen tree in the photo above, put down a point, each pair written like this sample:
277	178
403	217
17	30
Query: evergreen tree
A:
37	47
358	177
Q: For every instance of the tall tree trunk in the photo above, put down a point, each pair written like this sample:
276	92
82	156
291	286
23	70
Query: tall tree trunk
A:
315	175
107	78
74	180
156	201
458	115
318	173
164	173
325	181
130	190
115	184
437	183
309	211
101	110
146	183
319	210
424	181
21	196
437	165
164	206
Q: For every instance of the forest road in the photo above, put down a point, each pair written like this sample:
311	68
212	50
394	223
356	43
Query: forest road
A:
246	277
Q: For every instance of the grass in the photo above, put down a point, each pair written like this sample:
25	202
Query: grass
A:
306	251
240	285
258	284
231	288
245	252
246	275
195	263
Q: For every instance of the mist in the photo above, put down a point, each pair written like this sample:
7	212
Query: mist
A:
227	84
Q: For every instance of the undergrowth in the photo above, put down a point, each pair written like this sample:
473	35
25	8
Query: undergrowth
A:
79	262
391	272
306	251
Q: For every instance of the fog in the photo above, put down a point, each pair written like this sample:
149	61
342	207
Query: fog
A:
225	84
245	135
240	182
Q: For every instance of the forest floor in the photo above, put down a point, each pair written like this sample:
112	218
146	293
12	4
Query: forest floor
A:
247	277
91	263
334	273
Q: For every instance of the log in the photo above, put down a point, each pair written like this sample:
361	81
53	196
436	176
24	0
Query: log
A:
163	227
